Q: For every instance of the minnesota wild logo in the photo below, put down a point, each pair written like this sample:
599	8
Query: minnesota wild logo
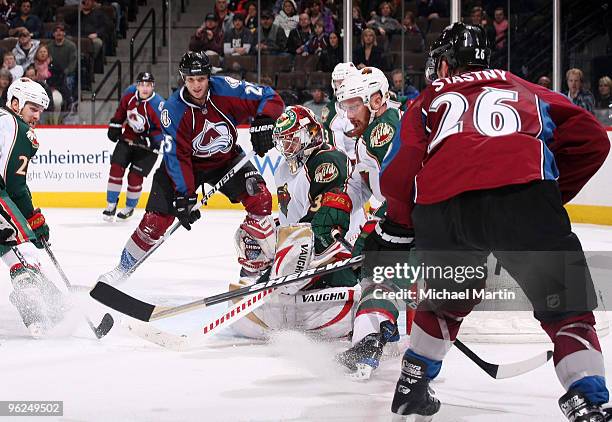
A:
381	135
325	173
284	197
32	138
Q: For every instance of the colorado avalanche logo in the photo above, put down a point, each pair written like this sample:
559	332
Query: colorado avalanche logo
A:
214	138
136	121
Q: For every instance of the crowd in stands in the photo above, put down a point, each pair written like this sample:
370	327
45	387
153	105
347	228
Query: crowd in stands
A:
38	39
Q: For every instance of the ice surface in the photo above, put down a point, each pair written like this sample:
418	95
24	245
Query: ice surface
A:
123	378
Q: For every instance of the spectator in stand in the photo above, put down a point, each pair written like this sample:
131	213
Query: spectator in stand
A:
319	42
316	11
42	60
604	99
25	20
411	29
500	24
7	13
239	40
431	9
64	53
332	55
384	24
53	75
30	72
273	39
5	80
402	86
545	82
223	15
278	6
579	96
208	37
250	22
368	53
299	37
358	22
25	50
9	63
93	27
287	19
479	17
318	101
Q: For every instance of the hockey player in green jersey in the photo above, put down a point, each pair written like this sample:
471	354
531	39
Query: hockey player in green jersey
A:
311	184
36	299
365	99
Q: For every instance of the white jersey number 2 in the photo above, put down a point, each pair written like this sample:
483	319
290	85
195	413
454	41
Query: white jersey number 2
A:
493	116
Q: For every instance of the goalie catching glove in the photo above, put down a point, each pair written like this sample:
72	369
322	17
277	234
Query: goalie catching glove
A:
255	242
333	214
39	226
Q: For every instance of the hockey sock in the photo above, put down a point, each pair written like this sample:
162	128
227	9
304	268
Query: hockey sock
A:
115	180
577	356
134	189
152	226
432	333
259	202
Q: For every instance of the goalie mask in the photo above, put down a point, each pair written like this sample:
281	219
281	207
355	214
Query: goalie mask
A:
296	134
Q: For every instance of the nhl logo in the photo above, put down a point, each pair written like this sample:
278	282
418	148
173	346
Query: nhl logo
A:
381	135
325	173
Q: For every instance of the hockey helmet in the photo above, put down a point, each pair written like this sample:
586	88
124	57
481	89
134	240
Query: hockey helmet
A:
462	46
195	63
341	72
27	91
296	134
145	77
364	84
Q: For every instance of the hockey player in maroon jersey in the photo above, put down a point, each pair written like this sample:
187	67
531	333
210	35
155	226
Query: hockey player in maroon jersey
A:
199	123
483	163
140	109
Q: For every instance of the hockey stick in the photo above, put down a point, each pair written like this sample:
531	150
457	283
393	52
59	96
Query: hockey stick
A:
107	320
176	225
128	305
158	151
506	370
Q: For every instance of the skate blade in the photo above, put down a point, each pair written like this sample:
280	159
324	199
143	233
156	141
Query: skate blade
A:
109	218
363	372
411	418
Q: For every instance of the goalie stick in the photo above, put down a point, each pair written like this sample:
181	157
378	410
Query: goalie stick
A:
107	321
176	225
128	305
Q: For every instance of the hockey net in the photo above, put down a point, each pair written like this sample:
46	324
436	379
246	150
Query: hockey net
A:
490	323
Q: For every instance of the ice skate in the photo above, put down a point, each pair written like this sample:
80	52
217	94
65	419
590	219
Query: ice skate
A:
125	213
364	357
30	305
413	398
109	212
577	408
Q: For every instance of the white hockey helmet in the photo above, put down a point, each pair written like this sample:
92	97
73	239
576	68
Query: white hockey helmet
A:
364	84
341	72
27	91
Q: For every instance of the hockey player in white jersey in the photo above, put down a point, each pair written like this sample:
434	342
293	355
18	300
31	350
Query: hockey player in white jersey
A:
364	97
311	180
337	126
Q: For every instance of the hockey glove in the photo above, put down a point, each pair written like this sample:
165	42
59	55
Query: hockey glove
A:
39	226
334	213
261	135
8	234
389	236
114	130
186	215
144	141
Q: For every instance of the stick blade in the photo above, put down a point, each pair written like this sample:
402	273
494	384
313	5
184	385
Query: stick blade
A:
121	302
105	326
514	369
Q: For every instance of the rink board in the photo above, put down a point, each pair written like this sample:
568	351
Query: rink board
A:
71	168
